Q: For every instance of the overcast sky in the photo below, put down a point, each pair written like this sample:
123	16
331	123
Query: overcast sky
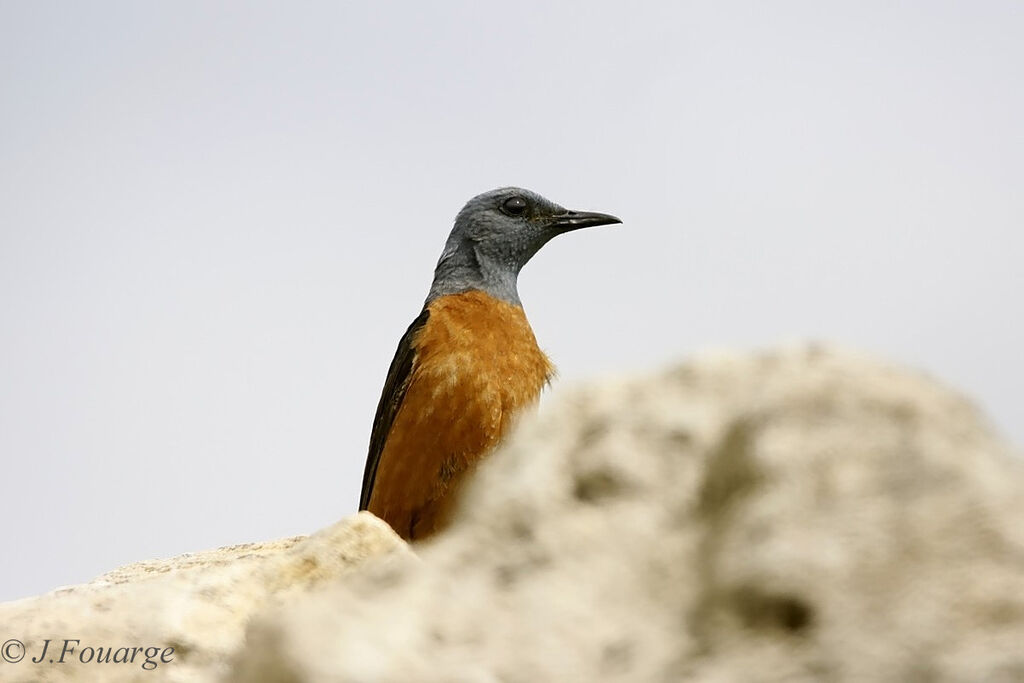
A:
217	220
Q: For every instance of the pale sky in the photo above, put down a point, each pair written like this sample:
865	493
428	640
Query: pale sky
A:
217	219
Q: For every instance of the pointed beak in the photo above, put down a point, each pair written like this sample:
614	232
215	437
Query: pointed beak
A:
573	220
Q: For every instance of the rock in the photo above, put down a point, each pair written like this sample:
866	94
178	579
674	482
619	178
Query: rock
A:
197	604
805	515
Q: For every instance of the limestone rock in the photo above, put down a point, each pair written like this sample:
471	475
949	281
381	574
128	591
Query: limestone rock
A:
805	515
198	604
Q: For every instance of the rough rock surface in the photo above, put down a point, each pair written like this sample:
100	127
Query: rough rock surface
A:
806	515
199	604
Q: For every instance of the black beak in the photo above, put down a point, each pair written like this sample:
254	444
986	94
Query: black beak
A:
572	220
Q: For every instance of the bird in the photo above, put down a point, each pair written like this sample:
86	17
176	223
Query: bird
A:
466	366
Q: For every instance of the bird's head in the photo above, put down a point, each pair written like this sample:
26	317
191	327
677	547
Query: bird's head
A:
494	236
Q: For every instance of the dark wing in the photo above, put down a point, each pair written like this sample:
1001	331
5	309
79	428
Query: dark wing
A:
394	391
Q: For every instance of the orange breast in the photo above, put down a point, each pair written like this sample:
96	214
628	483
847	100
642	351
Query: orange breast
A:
477	364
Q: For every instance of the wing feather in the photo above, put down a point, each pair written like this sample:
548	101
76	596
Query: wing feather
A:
395	386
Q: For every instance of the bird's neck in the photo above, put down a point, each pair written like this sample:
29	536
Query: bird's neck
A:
467	269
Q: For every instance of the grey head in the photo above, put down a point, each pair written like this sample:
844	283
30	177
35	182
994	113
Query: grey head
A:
494	236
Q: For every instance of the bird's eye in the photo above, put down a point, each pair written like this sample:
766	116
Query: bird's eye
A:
514	206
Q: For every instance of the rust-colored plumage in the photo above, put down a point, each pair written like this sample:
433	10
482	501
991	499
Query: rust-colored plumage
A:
474	364
466	366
